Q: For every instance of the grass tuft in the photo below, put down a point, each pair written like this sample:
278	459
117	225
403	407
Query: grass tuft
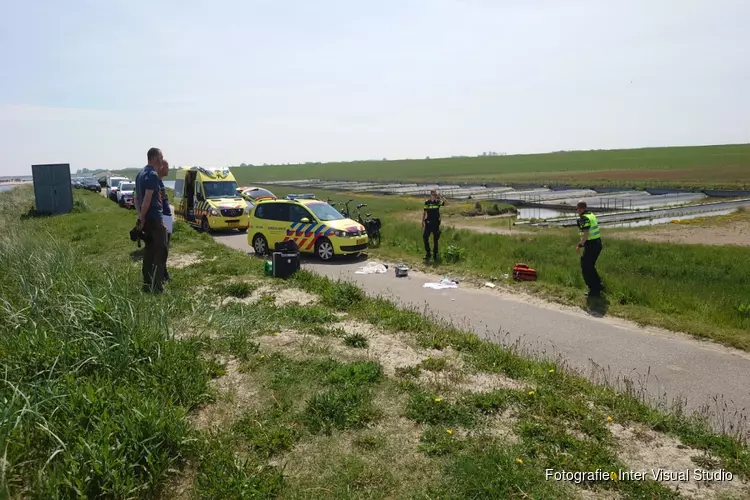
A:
356	340
340	408
239	290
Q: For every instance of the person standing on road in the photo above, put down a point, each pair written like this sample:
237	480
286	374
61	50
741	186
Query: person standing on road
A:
150	218
591	243
431	223
166	212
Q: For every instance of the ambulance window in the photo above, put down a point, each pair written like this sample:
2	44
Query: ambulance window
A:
178	186
297	213
272	211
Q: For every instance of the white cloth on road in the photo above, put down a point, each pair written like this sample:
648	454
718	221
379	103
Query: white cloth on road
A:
372	268
443	284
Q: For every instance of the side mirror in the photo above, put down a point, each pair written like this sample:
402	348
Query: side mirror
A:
304	220
199	197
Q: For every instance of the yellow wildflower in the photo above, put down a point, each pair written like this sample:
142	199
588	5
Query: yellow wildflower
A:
609	419
531	393
449	431
519	460
437	400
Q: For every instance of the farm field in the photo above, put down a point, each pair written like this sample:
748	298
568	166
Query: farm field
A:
709	166
726	166
299	389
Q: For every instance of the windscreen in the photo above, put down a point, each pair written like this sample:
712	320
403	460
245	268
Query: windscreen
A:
220	189
127	186
324	211
257	193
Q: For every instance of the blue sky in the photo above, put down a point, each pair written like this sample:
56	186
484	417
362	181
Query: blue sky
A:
96	83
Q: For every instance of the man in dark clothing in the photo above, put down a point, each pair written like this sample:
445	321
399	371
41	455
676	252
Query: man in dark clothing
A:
431	223
150	209
591	243
166	211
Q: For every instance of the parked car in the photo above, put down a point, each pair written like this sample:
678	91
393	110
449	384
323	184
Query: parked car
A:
90	184
314	226
125	193
252	195
112	184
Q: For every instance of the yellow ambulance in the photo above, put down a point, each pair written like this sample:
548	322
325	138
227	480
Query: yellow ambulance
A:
208	199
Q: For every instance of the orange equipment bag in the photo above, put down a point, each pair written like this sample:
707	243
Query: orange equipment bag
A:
523	272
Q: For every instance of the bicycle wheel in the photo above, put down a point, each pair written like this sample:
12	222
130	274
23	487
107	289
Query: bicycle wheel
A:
375	239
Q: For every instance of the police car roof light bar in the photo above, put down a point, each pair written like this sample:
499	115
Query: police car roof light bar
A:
309	196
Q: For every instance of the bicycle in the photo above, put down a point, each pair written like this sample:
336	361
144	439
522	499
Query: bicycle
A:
372	226
346	212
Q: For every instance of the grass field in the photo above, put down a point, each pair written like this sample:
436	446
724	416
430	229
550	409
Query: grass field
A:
725	166
233	385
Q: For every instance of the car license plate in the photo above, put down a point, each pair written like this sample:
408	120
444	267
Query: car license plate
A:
361	242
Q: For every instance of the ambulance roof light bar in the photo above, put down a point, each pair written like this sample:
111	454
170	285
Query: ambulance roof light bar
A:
309	196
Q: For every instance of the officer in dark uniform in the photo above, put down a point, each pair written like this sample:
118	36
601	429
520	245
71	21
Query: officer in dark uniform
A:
591	243
431	223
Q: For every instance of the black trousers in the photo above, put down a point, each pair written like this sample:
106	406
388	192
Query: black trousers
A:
154	256
431	228
591	251
166	273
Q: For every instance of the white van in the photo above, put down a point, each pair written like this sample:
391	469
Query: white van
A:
112	184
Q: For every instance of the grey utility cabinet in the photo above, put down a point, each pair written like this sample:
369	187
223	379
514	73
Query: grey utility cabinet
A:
52	188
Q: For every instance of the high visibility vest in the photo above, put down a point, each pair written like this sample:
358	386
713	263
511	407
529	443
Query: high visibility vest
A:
432	207
593	227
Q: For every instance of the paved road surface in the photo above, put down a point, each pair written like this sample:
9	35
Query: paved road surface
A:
679	365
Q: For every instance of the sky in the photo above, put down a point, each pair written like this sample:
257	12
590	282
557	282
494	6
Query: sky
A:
97	83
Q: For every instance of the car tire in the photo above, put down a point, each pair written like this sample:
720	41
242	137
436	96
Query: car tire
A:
260	245
324	249
205	226
122	202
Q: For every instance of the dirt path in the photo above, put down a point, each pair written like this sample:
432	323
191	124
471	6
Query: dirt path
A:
722	230
666	364
479	224
731	230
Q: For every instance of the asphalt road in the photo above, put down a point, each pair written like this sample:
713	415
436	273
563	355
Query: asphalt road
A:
669	365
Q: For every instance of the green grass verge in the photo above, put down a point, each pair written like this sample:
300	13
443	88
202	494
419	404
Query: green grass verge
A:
105	389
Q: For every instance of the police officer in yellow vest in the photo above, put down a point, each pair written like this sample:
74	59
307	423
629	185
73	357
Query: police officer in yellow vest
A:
591	243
